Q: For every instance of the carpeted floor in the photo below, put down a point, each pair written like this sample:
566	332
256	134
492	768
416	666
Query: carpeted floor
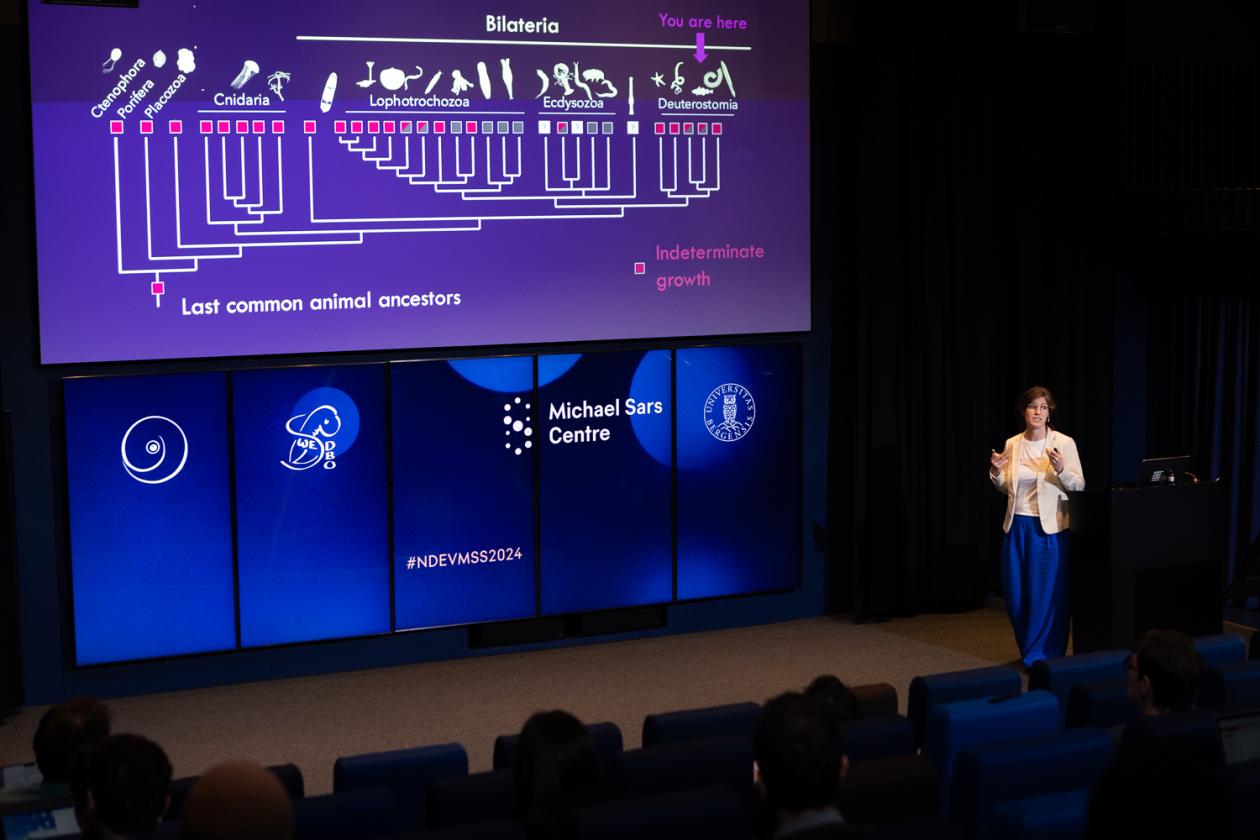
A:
311	721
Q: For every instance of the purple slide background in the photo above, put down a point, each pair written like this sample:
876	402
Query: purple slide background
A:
519	281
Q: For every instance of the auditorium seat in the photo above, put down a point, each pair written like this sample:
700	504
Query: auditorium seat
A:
1231	688
874	700
878	737
890	790
694	724
607	738
1058	816
1241	783
1224	649
405	773
714	811
692	764
1103	703
992	774
477	797
952	727
928	692
1059	674
1196	728
355	813
290	775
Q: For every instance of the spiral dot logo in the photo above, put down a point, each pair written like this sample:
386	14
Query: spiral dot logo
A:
154	449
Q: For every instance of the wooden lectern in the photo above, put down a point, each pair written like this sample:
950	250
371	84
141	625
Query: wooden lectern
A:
1145	558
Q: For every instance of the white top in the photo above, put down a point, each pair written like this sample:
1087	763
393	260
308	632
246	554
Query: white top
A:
1032	462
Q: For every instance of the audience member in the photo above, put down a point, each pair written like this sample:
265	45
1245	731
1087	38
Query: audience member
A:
1157	787
557	767
799	750
238	800
837	695
121	787
63	731
1164	672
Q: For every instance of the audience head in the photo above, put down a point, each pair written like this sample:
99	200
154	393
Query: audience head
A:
800	754
556	767
239	800
63	731
1157	787
836	694
121	787
1164	672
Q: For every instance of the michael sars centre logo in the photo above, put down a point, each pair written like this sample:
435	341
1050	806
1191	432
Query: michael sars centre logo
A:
584	410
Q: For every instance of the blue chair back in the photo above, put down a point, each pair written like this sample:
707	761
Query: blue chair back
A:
405	773
696	724
1231	687
874	700
607	738
1224	649
1103	703
355	813
1059	674
989	775
715	811
477	797
870	739
1059	816
953	727
668	768
926	693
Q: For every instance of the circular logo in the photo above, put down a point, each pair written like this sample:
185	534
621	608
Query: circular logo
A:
729	412
154	449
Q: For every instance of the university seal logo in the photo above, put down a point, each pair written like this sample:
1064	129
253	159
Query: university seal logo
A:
729	412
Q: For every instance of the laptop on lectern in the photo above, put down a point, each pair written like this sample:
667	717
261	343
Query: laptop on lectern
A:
1163	470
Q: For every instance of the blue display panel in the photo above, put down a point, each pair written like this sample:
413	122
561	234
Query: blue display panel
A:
150	516
739	470
464	514
311	510
605	485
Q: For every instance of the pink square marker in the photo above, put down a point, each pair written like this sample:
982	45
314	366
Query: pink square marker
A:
660	128
225	126
702	128
146	126
157	287
422	126
339	126
308	126
374	126
640	268
176	126
207	126
277	126
115	126
674	128
717	128
260	126
439	127
388	126
470	127
356	126
242	126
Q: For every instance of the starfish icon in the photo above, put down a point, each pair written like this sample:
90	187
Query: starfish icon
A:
659	80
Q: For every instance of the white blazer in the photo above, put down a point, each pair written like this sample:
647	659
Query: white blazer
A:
1052	487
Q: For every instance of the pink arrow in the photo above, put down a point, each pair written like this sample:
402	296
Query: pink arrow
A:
700	46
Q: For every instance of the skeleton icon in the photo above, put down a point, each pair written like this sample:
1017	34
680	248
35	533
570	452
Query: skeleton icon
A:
458	83
276	82
108	65
394	79
248	71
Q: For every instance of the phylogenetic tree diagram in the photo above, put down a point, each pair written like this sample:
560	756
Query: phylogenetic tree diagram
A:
215	183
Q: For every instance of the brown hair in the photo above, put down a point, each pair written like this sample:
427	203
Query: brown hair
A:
1035	392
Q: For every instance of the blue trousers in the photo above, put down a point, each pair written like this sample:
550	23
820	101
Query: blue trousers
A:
1034	584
